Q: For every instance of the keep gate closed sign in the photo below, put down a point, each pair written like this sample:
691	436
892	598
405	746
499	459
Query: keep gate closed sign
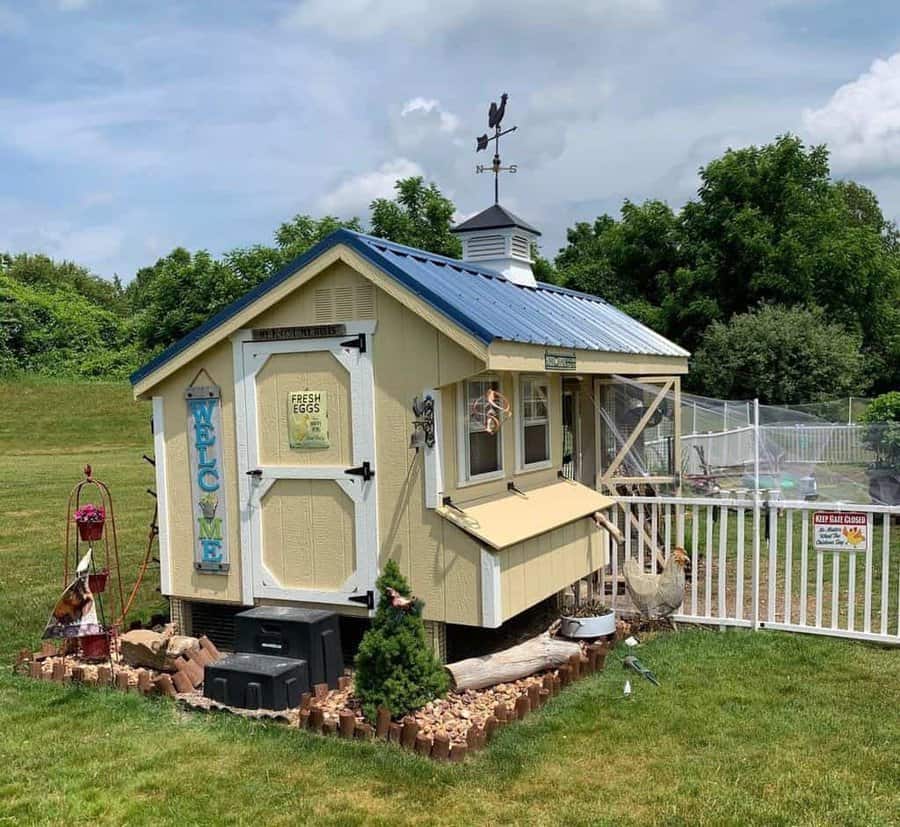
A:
308	419
841	531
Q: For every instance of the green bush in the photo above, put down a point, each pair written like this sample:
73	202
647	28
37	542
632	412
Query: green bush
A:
882	434
395	667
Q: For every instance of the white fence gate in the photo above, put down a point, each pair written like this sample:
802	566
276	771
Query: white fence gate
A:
754	564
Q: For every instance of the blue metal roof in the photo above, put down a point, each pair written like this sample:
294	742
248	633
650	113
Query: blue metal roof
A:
479	300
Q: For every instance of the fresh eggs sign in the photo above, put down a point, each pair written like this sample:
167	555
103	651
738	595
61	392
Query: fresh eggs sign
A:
841	531
308	419
207	479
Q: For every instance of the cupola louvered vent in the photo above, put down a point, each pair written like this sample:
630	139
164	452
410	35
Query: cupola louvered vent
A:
520	247
483	247
344	303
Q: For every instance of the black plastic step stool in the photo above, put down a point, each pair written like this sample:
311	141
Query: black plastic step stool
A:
251	681
313	635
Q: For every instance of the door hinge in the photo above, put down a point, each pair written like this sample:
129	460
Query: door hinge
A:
255	472
365	471
358	342
367	599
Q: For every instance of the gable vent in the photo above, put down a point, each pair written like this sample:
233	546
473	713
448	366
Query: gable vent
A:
322	305
344	303
365	301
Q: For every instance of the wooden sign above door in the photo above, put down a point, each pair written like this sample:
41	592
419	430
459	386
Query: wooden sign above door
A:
314	331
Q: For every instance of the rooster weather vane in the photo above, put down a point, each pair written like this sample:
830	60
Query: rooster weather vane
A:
495	116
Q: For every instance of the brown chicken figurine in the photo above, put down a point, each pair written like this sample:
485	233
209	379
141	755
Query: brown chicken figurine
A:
657	595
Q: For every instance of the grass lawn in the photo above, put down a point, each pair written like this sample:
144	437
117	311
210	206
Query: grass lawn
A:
747	728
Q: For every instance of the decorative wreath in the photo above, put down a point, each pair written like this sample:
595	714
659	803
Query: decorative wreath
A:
491	410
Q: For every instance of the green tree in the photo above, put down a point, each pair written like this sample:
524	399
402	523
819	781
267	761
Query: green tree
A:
293	238
177	294
395	667
780	355
418	216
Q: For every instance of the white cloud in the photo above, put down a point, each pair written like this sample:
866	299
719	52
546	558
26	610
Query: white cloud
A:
359	20
447	120
861	121
353	196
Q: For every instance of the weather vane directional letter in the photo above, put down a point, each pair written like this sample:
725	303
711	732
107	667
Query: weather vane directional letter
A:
495	116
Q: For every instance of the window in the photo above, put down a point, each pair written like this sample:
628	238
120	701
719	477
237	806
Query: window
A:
483	449
534	421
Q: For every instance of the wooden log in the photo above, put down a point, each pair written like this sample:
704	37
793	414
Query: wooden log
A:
303	719
182	682
347	723
491	725
523	706
408	735
565	675
475	738
104	675
329	727
36	670
321	691
165	686
59	671
77	674
343	682
423	745
144	684
364	731
534	695
201	657
394	732
210	648
501	713
305	700
382	722
575	665
122	681
458	752
587	665
440	749
535	655
48	650
316	718
548	682
544	696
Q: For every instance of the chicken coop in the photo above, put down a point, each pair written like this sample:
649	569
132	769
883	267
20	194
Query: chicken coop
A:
372	401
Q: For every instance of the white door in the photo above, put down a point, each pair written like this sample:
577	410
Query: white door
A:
308	496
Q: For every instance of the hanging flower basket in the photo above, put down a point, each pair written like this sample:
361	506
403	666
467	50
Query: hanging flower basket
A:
90	519
97	582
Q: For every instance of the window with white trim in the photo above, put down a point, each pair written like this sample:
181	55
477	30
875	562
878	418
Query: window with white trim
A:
534	421
483	448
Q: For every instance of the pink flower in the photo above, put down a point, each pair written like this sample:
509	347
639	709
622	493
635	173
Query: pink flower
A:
90	513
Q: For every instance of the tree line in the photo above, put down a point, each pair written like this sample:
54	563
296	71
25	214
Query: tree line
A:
784	283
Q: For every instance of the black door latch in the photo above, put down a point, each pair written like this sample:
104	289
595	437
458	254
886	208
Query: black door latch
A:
365	471
358	342
255	472
367	599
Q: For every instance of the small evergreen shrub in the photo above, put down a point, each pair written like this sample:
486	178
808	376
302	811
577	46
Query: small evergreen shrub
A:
395	667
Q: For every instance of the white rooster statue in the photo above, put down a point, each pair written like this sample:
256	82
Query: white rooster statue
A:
657	595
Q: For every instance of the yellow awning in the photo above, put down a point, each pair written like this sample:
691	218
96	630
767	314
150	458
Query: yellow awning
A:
512	518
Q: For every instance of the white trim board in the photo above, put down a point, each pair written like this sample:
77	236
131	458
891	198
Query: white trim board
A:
162	495
491	591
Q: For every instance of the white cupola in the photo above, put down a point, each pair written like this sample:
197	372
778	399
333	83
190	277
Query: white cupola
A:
501	241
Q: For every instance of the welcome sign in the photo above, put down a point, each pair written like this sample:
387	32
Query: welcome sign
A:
308	419
207	479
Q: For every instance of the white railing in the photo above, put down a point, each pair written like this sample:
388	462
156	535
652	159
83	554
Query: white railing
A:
754	564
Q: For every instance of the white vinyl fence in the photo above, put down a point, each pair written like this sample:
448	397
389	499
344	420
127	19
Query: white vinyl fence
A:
799	444
754	564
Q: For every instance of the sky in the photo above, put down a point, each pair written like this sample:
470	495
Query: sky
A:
130	128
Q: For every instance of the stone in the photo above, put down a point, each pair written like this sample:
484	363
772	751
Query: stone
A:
155	650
